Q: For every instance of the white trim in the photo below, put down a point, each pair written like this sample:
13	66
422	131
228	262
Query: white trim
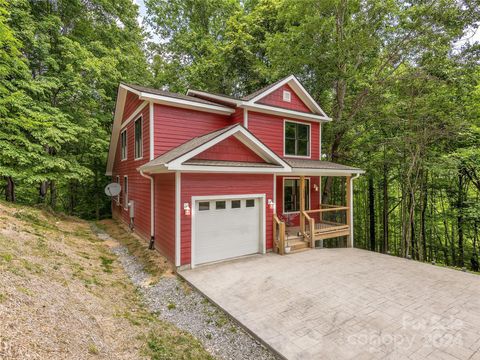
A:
241	134
152	131
135	139
189	104
117	180
284	112
125	193
134	114
245	118
324	172
283	193
117	118
274	193
309	156
263	220
351	208
298	88
152	203
227	169
126	145
178	217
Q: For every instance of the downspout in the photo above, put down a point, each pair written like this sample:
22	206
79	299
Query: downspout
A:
351	207
152	211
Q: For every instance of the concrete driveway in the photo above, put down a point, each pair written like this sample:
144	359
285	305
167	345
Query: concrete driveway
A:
348	304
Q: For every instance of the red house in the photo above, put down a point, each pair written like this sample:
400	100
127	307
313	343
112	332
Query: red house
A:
208	177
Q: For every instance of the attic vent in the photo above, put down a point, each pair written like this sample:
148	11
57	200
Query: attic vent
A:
286	96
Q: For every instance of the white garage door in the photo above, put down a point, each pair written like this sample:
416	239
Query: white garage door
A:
226	228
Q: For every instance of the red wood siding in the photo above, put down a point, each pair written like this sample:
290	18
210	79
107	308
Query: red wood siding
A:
221	184
165	215
230	149
276	99
269	129
237	116
131	103
138	186
314	197
174	126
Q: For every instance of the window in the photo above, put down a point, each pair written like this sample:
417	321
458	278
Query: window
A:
287	96
204	205
291	195
125	192
117	198
123	141
220	205
297	139
236	204
250	203
138	138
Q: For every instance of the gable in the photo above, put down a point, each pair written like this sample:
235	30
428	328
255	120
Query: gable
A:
275	98
132	102
230	149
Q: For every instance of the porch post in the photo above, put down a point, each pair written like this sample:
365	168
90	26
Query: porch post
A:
302	204
349	211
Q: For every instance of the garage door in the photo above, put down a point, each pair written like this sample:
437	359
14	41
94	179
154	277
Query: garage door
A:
226	228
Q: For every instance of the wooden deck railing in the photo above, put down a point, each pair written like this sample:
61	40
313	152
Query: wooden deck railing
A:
278	235
323	229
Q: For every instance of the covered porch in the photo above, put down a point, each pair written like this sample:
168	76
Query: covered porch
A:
314	221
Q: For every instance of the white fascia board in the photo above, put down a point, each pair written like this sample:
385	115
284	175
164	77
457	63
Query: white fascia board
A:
117	122
272	89
285	112
325	172
155	169
227	169
214	96
134	115
175	164
165	100
299	90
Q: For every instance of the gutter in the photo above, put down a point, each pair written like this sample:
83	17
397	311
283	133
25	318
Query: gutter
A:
151	245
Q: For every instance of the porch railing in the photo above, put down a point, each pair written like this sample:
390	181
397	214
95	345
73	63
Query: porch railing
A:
278	235
317	228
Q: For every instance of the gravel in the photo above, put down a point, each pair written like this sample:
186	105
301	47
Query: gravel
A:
174	301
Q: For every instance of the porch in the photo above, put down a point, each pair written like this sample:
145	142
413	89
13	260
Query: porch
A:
316	223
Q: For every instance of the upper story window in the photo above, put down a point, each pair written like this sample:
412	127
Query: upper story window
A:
123	141
297	139
287	96
138	138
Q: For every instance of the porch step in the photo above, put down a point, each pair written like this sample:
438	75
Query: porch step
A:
297	244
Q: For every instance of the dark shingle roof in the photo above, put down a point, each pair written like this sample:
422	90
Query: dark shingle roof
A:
170	94
318	164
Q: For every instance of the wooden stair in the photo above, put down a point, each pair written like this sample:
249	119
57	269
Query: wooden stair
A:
297	244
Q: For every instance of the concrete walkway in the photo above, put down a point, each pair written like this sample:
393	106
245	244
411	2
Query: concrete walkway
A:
348	304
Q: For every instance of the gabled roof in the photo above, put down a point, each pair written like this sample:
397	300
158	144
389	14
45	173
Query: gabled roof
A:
251	101
181	157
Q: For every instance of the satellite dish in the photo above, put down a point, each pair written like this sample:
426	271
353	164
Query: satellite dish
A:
113	189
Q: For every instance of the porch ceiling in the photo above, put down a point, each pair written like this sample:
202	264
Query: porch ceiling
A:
320	168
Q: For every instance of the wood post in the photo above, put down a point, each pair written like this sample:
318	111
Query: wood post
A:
302	204
349	210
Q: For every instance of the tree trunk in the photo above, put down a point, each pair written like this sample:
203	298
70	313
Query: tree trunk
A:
385	208
10	190
42	191
371	205
53	195
474	260
423	232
